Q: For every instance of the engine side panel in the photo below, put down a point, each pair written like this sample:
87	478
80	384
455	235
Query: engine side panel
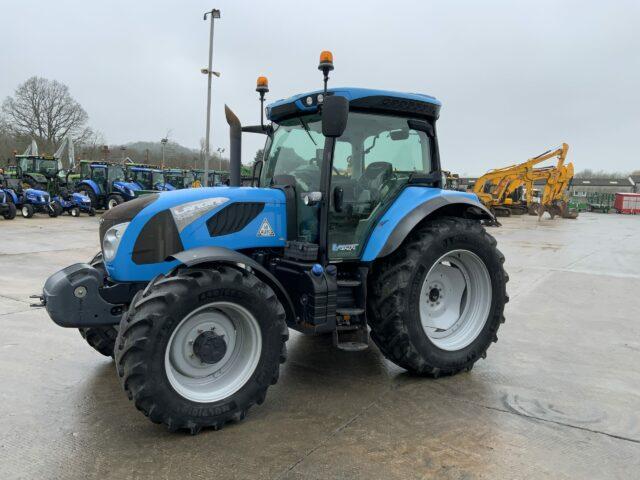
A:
190	210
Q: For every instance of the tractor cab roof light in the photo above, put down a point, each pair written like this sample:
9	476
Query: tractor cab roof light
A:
262	87
326	65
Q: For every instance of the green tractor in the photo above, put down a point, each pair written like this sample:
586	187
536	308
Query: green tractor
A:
36	171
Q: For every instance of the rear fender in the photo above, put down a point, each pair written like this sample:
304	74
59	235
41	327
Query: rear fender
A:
410	208
91	184
225	256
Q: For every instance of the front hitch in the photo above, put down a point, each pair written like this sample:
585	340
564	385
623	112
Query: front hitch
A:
73	298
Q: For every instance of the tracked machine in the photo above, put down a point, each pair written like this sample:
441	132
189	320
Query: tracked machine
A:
348	229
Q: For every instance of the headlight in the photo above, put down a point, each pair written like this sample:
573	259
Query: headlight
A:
111	241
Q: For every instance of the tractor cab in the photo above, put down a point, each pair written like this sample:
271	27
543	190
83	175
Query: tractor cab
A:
216	178
36	171
106	184
176	178
148	178
388	143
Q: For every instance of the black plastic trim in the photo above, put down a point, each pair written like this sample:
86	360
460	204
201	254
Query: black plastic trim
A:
158	240
381	103
200	255
124	212
233	218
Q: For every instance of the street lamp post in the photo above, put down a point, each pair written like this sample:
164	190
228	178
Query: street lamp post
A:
213	14
220	151
163	142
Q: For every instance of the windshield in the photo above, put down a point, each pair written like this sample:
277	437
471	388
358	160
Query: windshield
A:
157	177
116	173
27	164
46	167
142	178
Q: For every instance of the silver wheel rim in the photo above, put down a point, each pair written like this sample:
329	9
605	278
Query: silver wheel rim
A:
209	382
455	300
25	212
112	204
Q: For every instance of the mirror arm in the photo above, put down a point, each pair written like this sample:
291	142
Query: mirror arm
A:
253	171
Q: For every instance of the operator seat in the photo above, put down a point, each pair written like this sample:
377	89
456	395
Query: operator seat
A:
374	177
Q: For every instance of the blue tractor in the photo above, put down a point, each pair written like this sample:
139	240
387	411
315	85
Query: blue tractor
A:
106	184
149	178
74	203
349	230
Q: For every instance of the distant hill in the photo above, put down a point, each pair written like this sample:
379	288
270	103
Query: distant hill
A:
175	155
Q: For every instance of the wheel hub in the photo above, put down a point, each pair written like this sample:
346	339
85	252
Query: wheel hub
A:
455	299
209	347
213	352
434	294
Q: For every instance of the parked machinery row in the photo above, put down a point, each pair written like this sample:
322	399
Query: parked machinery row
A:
35	183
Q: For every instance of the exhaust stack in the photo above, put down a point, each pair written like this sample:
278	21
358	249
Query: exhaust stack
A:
235	146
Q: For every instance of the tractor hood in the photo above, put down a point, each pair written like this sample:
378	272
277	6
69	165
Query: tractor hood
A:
130	185
154	227
38	177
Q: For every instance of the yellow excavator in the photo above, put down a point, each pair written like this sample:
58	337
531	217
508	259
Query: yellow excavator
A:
497	188
555	195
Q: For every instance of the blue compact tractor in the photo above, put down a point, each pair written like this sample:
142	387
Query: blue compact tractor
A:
106	184
74	203
349	232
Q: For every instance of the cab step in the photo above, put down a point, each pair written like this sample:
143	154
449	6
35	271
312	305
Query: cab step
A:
349	311
349	283
351	338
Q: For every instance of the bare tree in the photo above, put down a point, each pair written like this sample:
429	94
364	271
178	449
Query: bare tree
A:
44	109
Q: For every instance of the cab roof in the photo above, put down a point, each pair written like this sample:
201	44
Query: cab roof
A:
385	101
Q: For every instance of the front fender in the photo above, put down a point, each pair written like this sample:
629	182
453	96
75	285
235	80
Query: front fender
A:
412	206
222	255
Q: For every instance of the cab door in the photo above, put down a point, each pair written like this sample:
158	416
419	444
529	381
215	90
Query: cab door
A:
372	162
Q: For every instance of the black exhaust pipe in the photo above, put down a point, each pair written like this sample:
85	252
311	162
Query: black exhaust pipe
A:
235	146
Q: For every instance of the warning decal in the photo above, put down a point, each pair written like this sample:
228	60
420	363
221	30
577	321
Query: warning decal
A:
265	229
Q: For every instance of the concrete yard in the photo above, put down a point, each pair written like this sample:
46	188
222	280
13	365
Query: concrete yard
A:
557	397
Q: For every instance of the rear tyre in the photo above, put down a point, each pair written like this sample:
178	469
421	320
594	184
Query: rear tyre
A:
92	212
101	339
436	303
199	347
11	211
114	200
27	211
55	209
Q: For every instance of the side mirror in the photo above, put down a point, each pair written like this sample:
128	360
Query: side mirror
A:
335	112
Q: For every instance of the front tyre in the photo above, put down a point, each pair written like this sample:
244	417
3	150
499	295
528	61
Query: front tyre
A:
436	303
200	346
27	210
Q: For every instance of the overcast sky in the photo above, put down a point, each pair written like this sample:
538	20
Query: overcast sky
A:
515	77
